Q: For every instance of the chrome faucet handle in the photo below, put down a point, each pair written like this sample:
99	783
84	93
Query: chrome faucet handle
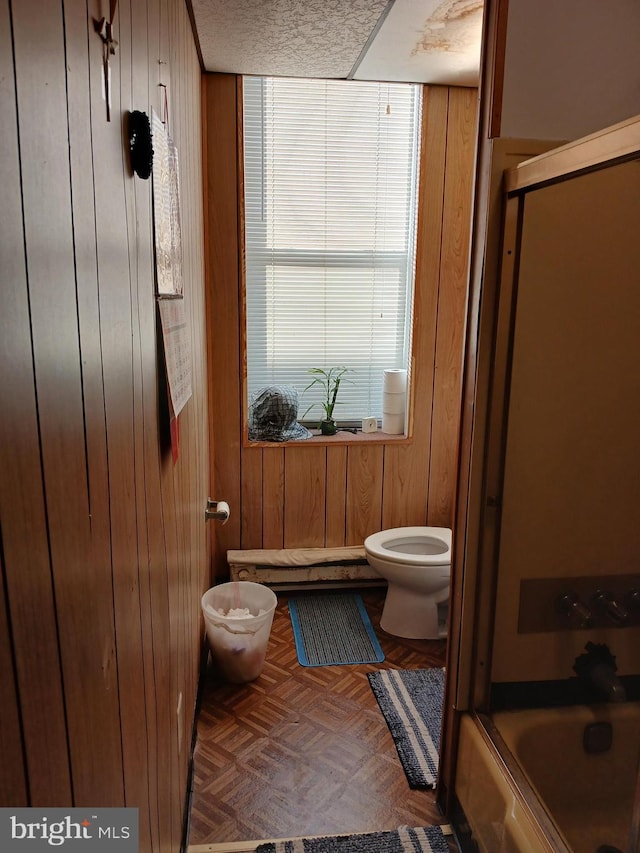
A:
632	599
578	613
607	603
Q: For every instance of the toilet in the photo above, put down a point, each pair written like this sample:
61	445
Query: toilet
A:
416	562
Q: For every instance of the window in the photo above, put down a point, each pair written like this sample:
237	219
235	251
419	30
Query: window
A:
330	177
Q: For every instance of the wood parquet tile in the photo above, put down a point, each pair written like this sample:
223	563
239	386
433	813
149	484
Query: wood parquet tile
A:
304	751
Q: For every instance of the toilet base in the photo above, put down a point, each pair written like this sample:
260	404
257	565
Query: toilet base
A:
410	615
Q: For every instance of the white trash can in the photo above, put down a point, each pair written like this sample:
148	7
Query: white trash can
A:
238	642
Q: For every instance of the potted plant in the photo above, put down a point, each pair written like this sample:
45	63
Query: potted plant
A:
330	381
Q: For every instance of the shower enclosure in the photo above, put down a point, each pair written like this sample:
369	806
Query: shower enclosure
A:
546	584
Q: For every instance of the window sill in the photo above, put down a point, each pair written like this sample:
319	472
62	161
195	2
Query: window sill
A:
340	438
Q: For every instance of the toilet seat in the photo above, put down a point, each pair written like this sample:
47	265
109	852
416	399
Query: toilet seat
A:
414	546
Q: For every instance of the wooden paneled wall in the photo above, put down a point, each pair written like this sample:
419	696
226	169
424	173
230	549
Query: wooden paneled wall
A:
104	549
313	495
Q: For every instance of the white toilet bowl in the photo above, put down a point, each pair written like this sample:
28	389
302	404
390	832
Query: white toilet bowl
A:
416	562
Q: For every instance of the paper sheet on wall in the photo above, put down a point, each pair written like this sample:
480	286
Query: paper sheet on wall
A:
177	351
166	211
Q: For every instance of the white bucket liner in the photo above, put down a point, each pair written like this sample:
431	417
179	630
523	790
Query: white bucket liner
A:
238	643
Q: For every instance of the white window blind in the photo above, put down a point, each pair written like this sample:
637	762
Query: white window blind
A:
331	179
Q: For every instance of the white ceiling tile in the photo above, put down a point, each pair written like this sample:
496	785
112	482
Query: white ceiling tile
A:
427	41
414	41
296	38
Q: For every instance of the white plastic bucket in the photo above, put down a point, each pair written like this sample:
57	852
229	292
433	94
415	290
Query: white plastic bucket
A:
239	645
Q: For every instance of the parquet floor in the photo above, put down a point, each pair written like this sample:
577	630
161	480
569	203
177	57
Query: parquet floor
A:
304	751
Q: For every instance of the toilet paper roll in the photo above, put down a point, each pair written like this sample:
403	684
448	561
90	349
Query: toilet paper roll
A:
394	380
223	509
392	424
394	404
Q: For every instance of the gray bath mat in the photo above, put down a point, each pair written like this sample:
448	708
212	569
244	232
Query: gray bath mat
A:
411	703
405	839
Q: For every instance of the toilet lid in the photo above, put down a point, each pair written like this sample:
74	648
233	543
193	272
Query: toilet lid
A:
419	546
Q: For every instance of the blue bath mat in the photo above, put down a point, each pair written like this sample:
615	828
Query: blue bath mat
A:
333	629
411	703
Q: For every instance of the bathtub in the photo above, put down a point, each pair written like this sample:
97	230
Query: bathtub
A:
553	794
588	796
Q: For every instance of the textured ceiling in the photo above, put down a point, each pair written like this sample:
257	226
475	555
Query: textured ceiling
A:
422	41
314	38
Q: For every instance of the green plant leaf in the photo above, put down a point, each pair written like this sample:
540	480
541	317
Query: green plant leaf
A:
330	379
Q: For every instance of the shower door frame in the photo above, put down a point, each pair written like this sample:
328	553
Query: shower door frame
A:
474	570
